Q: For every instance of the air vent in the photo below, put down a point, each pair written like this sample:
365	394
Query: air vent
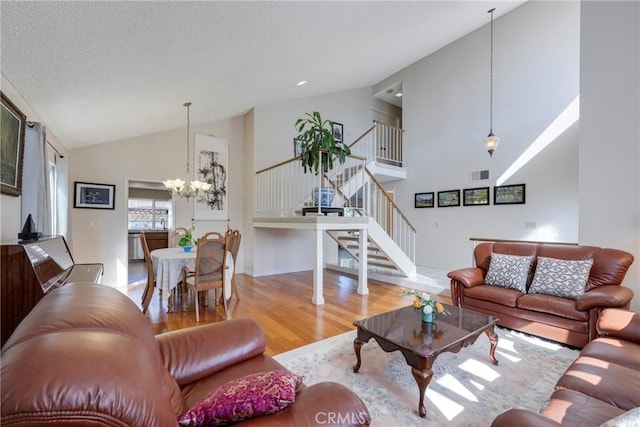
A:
479	175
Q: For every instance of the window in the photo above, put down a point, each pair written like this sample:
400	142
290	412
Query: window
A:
148	214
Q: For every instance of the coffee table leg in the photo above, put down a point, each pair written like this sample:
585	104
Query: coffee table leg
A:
357	345
423	378
493	338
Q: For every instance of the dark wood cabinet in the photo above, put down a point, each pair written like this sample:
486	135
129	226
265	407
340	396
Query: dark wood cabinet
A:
157	239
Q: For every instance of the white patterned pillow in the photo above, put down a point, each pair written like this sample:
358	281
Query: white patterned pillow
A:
508	271
562	278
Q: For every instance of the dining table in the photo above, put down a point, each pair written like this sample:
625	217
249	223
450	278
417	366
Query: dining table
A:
169	262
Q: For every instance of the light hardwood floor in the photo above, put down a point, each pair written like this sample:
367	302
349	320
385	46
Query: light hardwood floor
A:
281	304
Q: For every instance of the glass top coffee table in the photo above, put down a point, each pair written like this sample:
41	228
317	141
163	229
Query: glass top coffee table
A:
420	343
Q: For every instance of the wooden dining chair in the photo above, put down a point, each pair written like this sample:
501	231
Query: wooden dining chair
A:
211	269
233	245
151	280
176	235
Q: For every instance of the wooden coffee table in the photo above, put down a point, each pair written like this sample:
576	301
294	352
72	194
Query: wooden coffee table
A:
421	343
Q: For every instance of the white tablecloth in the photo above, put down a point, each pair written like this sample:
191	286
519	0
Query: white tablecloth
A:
168	263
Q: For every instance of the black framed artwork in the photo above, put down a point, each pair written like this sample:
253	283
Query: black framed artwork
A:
90	195
338	132
509	194
424	200
12	123
448	198
297	147
475	196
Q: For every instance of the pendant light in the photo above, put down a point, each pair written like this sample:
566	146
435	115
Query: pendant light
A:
186	188
491	141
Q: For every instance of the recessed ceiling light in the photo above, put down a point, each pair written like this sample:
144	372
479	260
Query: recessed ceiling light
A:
301	82
399	95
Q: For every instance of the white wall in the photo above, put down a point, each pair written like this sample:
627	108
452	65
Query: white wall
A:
446	116
273	133
10	207
610	130
275	123
101	235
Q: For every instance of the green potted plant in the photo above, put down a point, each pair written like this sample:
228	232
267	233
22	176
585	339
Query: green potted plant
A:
316	136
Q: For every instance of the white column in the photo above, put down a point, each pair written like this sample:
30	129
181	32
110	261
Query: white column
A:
362	264
317	298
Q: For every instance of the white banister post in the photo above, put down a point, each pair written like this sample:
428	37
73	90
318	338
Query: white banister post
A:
320	186
363	243
318	279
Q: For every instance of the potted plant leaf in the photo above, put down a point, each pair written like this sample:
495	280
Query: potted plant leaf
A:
318	150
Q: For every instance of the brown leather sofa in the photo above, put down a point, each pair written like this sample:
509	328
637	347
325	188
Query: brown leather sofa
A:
85	355
601	386
569	321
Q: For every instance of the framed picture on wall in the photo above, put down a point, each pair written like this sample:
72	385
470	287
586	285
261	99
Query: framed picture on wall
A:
212	166
448	198
12	122
509	194
297	147
475	196
338	132
94	196
424	200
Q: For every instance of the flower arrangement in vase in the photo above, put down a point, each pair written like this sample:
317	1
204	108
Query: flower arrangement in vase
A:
428	306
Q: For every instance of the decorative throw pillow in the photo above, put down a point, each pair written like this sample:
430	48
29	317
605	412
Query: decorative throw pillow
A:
249	396
562	278
508	271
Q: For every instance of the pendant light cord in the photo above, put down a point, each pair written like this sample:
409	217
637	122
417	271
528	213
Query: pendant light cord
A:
188	104
491	77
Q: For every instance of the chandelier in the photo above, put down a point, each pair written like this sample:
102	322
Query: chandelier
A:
186	188
491	141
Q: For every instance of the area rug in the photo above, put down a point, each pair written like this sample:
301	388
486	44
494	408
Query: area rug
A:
466	389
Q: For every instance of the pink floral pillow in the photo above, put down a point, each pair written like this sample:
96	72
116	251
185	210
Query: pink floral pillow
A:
249	396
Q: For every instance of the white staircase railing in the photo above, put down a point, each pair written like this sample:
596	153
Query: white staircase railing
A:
381	142
389	216
283	189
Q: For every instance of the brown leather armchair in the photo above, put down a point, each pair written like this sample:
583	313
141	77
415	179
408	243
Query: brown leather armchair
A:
601	384
85	355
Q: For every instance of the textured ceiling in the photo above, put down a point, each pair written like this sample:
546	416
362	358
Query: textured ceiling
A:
100	71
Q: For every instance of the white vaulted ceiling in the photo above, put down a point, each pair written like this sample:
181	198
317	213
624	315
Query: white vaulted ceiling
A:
100	71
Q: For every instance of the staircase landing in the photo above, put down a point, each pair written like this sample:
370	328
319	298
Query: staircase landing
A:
313	222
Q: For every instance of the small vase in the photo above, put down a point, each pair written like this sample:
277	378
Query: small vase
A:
428	318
